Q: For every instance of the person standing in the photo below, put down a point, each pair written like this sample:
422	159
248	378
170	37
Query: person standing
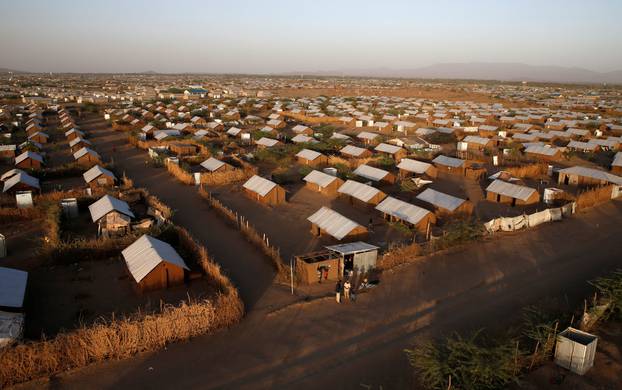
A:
346	290
319	275
338	291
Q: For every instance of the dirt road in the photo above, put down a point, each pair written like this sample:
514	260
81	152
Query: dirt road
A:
324	345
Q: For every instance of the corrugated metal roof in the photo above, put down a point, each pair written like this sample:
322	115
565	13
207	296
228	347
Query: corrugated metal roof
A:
413	166
82	152
74	130
511	190
308	154
592	173
440	199
402	210
617	160
358	190
333	223
28	154
10	173
212	164
386	148
320	178
259	185
352	247
371	173
264	141
21	177
367	135
300	128
77	140
352	150
541	149
146	253
303	138
95	172
473	139
107	204
12	287
233	131
448	161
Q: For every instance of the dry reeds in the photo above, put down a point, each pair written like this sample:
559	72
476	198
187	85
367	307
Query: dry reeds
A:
399	255
530	171
180	174
593	197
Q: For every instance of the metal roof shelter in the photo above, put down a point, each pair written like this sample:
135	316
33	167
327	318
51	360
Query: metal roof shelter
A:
358	190
474	139
617	160
107	204
146	253
300	129
95	172
352	150
265	141
212	164
259	185
82	152
76	141
74	130
402	210
320	178
333	223
28	154
448	161
352	248
592	173
10	173
12	287
387	148
308	154
541	149
301	138
21	177
234	131
367	135
440	199
510	190
371	173
413	166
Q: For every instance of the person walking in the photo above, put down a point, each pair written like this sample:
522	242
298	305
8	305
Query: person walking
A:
338	291
346	290
319	275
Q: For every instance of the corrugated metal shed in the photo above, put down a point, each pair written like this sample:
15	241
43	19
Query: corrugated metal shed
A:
413	166
320	178
308	154
541	149
371	173
234	131
387	148
402	210
259	185
107	204
352	248
358	190
10	173
212	164
95	172
12	287
474	139
352	150
511	190
333	223
21	177
28	154
76	141
300	138
146	253
448	161
367	135
300	129
265	141
82	152
440	199
617	160
592	173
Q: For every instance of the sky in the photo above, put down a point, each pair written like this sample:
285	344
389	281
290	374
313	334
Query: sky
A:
269	36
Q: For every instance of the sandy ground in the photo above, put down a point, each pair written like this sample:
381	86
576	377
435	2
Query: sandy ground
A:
324	345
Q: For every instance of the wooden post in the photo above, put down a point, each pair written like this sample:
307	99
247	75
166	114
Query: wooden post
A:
533	358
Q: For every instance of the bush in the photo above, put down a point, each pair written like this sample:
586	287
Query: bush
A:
460	232
472	363
610	289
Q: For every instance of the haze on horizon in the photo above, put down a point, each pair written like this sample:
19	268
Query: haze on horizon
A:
244	36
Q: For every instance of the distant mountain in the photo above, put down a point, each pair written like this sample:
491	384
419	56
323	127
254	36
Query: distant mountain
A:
487	71
5	70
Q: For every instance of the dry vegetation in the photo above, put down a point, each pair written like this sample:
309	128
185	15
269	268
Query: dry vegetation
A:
594	197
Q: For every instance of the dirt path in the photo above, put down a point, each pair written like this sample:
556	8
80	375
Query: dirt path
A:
322	345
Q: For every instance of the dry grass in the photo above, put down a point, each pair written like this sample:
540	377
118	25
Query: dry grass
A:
530	171
122	338
593	197
180	174
117	339
399	255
